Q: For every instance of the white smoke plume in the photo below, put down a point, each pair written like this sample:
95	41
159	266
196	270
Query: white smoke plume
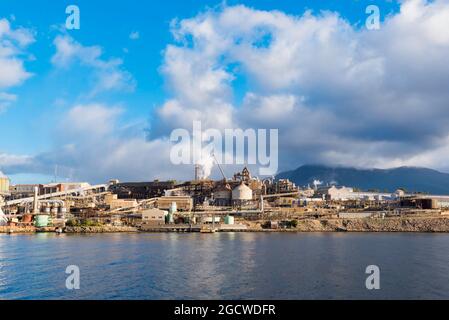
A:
317	183
206	164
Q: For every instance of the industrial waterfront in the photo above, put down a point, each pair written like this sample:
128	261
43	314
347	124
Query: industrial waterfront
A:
225	266
242	237
237	204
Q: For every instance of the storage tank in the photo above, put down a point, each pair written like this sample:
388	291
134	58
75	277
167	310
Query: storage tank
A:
169	219
4	183
173	208
242	193
27	218
41	220
229	220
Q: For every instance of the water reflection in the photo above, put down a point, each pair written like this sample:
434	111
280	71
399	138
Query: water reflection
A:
224	266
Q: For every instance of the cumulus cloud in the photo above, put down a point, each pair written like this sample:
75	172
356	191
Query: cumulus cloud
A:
90	120
13	41
9	160
338	94
108	73
93	145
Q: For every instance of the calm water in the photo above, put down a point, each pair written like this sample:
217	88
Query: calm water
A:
224	266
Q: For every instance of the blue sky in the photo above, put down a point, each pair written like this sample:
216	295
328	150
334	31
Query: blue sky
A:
109	24
35	124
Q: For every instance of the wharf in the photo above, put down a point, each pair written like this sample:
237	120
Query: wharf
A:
191	228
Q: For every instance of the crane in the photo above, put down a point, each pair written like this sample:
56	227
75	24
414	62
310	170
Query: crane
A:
219	166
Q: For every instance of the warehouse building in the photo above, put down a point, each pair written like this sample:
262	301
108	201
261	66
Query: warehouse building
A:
22	190
426	202
141	190
183	203
346	193
154	217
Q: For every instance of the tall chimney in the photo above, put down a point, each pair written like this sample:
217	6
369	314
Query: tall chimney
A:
197	172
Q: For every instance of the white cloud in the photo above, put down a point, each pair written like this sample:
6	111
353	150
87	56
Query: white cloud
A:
8	160
109	74
338	94
12	69
94	146
90	120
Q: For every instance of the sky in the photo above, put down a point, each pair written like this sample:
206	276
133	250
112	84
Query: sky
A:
101	102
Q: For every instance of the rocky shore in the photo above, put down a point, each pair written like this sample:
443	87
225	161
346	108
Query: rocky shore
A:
99	229
375	225
405	224
4	229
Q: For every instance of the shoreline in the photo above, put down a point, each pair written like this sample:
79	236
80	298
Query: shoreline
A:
369	225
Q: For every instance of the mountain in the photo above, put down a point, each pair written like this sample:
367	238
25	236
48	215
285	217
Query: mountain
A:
411	179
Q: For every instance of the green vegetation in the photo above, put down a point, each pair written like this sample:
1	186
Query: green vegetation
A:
71	223
290	224
294	223
266	225
83	223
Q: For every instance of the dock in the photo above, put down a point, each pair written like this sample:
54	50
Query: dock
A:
192	228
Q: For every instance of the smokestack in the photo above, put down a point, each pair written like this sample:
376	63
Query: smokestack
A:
35	206
197	172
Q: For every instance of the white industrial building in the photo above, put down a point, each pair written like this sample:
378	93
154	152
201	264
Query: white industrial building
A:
346	193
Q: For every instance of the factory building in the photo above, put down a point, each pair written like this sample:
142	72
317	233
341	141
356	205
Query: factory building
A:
61	187
154	217
114	203
22	190
427	202
223	195
345	194
279	186
199	191
183	203
141	190
244	176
